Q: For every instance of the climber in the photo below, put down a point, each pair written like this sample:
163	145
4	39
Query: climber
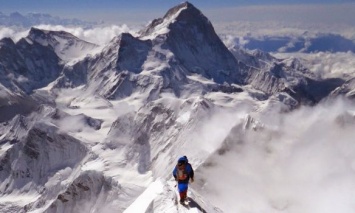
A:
182	173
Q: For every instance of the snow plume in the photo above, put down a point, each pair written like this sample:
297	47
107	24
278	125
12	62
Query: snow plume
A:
96	35
205	127
211	132
303	161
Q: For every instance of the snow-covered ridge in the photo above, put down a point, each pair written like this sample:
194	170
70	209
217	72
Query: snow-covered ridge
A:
161	26
66	46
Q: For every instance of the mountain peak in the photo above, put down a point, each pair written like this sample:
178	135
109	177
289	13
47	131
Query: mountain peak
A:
190	36
184	12
36	33
48	36
65	45
175	11
16	15
6	41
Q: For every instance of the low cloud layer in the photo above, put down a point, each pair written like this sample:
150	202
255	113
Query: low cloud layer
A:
13	33
96	35
325	64
303	161
294	43
293	22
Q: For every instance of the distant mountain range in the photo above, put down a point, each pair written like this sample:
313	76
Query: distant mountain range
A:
31	19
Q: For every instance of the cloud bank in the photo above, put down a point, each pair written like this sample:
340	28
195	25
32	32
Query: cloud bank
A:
325	64
293	21
303	43
97	35
303	161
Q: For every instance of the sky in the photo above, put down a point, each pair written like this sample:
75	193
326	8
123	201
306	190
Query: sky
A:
137	10
133	4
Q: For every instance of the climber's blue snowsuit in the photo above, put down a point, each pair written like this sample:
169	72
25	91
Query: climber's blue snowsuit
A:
187	173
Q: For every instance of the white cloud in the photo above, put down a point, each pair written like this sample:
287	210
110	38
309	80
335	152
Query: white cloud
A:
325	64
303	162
97	35
13	33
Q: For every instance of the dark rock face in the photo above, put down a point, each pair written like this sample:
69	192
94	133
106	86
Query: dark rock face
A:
34	158
12	105
24	66
347	89
35	61
320	89
27	65
132	53
225	88
86	187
